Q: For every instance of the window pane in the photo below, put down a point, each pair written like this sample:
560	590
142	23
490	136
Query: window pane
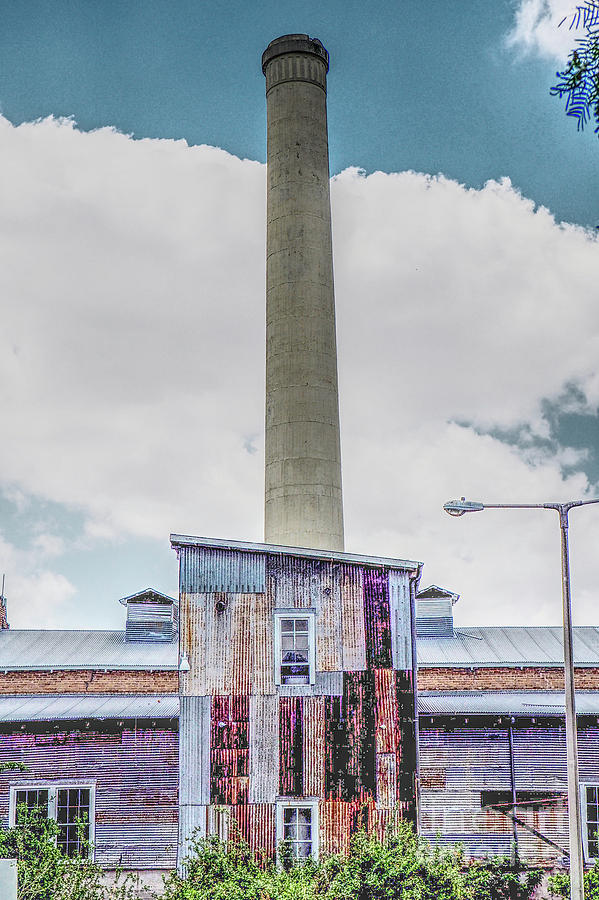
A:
290	814
305	814
287	626
304	850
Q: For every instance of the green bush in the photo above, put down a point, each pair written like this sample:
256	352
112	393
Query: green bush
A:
559	885
402	867
45	873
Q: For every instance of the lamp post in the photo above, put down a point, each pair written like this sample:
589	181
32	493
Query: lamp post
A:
459	508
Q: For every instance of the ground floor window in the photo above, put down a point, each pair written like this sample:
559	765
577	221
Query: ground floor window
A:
297	828
70	806
590	818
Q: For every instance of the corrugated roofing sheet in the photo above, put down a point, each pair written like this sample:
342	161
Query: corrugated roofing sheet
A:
183	540
44	708
508	646
25	649
520	703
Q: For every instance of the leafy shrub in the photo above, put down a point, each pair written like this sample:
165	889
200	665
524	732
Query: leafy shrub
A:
402	867
45	873
559	885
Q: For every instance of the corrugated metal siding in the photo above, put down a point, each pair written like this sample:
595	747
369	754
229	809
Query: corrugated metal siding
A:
314	752
509	646
135	773
377	619
194	767
229	750
463	760
353	637
263	681
264	748
217	646
209	569
400	612
328	621
291	745
256	823
242	645
193	642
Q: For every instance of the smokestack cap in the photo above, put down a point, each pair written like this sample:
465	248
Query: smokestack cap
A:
294	43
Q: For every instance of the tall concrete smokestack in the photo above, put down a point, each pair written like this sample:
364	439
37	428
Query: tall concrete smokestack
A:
303	501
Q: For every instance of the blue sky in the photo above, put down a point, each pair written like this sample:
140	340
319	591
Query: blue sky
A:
133	281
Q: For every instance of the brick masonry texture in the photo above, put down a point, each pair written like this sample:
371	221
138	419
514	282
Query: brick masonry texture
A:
84	681
504	678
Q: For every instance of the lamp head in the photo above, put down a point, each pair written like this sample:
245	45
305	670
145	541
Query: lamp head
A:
459	507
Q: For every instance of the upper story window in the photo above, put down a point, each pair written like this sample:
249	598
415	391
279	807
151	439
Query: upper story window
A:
590	816
70	806
295	658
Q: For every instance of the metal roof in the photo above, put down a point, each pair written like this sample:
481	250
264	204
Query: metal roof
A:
29	649
47	708
508	646
182	540
516	703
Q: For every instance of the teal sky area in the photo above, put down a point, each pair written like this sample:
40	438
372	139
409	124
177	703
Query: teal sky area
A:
429	87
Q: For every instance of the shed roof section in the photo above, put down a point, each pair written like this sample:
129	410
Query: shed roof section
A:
508	646
29	649
515	703
45	708
181	540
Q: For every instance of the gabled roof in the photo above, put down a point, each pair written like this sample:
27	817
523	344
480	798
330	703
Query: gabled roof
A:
434	592
149	595
33	649
508	646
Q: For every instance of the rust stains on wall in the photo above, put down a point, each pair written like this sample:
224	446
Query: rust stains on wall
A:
229	750
291	755
377	618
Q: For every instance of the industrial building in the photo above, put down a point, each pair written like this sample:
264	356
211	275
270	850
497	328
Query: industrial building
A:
275	697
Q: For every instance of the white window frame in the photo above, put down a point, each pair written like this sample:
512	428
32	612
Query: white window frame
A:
310	615
53	787
583	815
297	802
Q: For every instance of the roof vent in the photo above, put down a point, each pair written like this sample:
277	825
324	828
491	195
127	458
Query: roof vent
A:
151	617
434	613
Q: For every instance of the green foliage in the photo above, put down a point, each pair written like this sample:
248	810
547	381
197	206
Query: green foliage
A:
559	885
402	867
497	879
45	873
579	81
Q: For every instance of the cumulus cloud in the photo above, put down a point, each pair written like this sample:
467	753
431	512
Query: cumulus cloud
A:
539	28
132	348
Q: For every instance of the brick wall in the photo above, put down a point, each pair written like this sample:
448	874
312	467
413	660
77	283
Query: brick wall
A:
504	678
88	681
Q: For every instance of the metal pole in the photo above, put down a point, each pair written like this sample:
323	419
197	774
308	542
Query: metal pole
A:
515	854
574	818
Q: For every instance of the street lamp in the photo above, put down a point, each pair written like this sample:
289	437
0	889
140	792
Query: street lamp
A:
459	508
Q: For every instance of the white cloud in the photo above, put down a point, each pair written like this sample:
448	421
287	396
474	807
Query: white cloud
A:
131	357
36	596
537	28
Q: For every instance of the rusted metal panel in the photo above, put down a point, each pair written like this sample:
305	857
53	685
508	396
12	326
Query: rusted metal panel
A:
400	614
217	653
386	780
328	623
242	645
135	772
263	680
386	712
229	750
295	582
314	751
210	569
353	637
193	643
359	713
407	742
335	820
264	748
291	762
377	619
256	824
